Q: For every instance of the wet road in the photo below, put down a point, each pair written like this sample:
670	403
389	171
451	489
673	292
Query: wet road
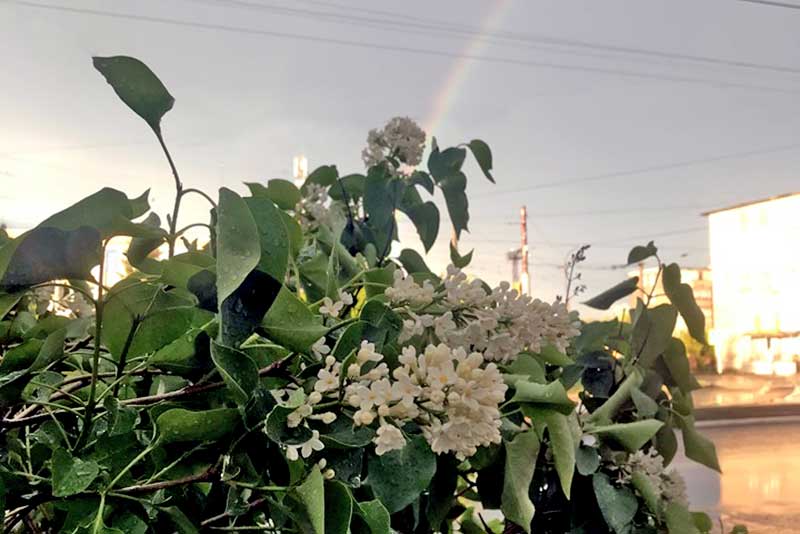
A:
760	484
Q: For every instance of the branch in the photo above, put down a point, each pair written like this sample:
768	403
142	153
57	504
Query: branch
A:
209	475
223	515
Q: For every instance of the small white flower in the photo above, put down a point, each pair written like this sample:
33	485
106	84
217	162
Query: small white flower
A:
326	381
388	438
320	349
345	297
331	308
367	353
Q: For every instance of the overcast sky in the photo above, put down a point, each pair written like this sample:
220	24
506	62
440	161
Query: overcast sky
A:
612	121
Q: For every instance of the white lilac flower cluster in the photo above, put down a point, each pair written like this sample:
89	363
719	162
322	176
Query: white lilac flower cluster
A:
452	396
499	323
312	209
401	139
669	484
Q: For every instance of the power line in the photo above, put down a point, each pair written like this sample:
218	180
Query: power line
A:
643	170
439	25
419	51
772	3
609	244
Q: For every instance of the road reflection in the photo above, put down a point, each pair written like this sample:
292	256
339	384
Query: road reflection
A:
760	484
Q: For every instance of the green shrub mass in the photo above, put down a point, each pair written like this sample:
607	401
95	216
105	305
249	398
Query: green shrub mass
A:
290	375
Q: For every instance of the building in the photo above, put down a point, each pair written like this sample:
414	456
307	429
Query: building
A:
755	258
698	278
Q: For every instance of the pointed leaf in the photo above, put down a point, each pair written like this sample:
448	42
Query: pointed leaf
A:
483	155
393	479
641	253
290	322
71	475
618	505
632	436
521	454
177	425
457	259
238	243
604	300
238	371
682	297
137	86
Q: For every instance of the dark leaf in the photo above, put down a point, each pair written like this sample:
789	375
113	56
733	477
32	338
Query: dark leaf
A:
483	155
137	86
604	300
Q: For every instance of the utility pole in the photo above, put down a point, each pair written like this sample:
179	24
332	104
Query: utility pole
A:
525	278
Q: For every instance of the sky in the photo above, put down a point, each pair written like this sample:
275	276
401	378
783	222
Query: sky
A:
614	122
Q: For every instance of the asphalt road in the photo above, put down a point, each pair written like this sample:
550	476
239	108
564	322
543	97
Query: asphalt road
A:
760	482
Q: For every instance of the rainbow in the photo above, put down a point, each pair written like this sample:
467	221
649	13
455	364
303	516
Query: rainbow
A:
446	97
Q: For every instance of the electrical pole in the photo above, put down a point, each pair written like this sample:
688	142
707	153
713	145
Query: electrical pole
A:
525	278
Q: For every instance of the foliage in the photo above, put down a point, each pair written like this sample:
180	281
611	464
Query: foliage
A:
290	376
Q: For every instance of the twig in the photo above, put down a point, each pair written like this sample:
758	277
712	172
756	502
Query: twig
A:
208	475
223	515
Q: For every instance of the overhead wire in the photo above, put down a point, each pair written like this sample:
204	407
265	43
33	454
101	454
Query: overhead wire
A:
631	74
497	36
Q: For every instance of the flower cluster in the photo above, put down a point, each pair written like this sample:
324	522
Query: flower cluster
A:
312	209
669	484
499	323
450	395
401	139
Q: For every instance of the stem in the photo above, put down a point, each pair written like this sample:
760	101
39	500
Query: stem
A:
123	357
98	331
193	225
139	457
206	476
173	221
202	194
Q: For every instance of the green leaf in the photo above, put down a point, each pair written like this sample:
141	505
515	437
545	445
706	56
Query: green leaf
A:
422	179
100	210
140	247
521	455
550	354
702	522
7	302
679	520
238	370
441	495
445	163
678	366
454	188
129	523
618	505
645	406
375	515
238	243
652	333
483	155
392	478
156	317
649	492
325	176
382	324
682	297
604	300
425	217
289	322
632	436
352	185
457	259
137	86
278	431
641	253
696	446
274	238
552	395
587	460
71	475
182	523
46	253
282	192
310	498
413	262
563	443
338	508
178	425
